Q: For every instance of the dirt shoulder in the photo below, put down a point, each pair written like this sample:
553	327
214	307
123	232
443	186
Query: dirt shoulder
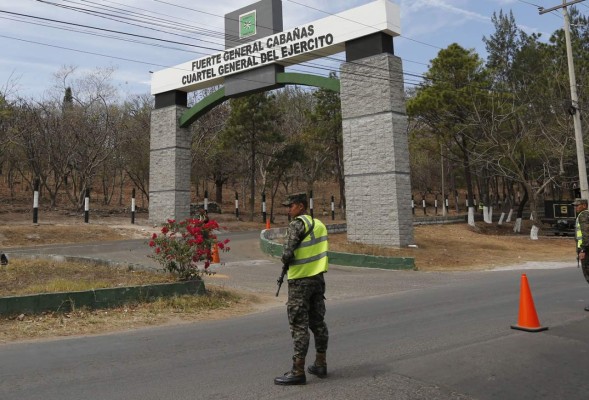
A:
441	247
460	247
61	227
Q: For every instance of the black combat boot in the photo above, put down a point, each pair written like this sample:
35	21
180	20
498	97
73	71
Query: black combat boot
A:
296	376
319	368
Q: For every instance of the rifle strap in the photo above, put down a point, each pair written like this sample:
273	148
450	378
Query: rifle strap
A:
309	232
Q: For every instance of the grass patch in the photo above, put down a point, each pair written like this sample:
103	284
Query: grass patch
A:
338	242
214	299
13	235
22	277
214	304
66	285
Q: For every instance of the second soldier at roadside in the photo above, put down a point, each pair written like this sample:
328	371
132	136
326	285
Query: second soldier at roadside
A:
305	252
582	236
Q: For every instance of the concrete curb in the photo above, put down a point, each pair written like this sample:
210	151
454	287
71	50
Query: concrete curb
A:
96	298
434	220
270	247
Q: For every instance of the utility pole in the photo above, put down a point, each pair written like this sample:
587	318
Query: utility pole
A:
574	98
442	162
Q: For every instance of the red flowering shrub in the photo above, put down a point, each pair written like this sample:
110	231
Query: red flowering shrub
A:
182	245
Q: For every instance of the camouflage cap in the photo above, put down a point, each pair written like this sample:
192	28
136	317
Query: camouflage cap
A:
295	198
579	201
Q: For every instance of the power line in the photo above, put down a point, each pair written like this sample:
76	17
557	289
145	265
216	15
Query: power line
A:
406	80
122	20
138	21
107	30
83	51
122	33
100	35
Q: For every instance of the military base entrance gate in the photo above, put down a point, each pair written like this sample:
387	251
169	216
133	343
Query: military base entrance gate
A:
374	121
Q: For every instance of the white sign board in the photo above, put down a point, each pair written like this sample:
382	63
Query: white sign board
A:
321	38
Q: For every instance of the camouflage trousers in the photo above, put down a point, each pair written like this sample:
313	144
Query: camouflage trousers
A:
585	268
306	310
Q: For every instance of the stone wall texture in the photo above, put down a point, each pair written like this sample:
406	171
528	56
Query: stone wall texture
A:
169	166
376	152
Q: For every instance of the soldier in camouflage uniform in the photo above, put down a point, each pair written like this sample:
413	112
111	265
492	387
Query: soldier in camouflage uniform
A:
582	236
305	252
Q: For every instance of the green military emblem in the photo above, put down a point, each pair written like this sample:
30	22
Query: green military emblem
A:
247	24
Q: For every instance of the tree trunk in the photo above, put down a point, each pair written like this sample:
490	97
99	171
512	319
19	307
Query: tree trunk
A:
469	191
219	191
520	211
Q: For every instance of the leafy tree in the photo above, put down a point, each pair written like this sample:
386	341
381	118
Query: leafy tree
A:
521	128
424	150
559	86
214	158
252	127
444	104
327	137
281	165
68	98
502	48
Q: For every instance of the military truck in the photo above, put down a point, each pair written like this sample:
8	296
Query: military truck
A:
560	215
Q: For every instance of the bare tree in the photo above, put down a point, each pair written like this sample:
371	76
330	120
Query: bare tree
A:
135	145
91	121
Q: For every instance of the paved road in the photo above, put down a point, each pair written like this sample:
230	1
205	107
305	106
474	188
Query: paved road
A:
394	335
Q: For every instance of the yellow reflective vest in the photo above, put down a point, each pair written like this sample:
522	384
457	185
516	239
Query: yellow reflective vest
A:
579	232
311	255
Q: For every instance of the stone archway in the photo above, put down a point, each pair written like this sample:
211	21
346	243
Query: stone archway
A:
374	122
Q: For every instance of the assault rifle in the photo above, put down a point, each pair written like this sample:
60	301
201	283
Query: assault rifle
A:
281	277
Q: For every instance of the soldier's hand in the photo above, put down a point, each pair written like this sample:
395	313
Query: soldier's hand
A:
582	255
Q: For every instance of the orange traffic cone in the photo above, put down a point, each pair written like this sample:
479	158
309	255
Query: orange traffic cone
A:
215	254
528	319
267	224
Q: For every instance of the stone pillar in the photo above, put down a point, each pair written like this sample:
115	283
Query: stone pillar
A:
376	152
169	161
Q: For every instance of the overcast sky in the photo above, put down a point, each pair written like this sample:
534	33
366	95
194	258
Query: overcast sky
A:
34	49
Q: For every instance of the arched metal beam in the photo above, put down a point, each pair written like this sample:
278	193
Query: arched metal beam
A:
284	78
203	106
289	78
